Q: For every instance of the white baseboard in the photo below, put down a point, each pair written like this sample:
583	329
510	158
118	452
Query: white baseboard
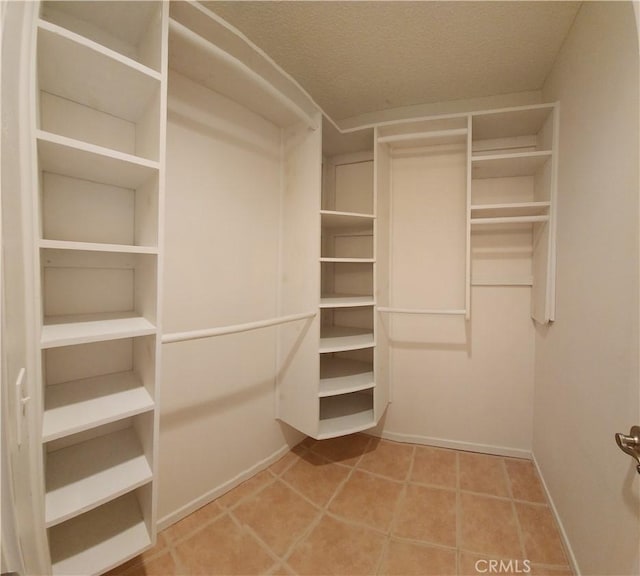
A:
563	534
210	496
455	444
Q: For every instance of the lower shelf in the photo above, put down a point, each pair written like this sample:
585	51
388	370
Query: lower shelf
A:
87	474
343	375
346	414
99	540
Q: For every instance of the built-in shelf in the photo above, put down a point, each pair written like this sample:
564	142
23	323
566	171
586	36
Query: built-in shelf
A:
88	474
99	540
346	260
72	407
207	63
345	301
97	247
62	155
426	138
510	220
343	375
78	69
509	209
351	220
85	328
510	122
345	414
507	165
341	339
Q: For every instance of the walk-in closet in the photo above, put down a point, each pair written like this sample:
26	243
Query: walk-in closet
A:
271	278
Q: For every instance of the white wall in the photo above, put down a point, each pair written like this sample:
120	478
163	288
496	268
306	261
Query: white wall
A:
224	173
586	366
460	384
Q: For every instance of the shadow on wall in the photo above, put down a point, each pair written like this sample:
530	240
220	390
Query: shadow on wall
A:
208	407
428	332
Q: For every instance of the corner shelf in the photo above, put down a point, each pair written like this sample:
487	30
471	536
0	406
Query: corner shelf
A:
332	219
342	339
85	328
79	405
343	375
346	301
346	414
86	475
100	539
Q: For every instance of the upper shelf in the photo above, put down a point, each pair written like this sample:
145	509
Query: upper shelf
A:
426	138
353	220
210	52
510	122
509	209
132	29
74	68
506	165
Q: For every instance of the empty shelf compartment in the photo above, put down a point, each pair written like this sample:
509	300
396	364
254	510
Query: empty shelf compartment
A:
346	414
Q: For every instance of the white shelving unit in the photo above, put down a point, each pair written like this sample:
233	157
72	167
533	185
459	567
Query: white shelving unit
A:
100	142
347	383
512	208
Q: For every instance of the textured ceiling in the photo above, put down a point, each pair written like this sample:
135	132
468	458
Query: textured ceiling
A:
360	57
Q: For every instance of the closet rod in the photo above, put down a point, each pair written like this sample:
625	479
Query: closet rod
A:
219	54
233	329
422	311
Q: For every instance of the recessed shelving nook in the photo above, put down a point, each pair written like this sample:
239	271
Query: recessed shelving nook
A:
100	117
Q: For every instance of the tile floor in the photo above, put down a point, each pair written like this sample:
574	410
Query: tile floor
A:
360	505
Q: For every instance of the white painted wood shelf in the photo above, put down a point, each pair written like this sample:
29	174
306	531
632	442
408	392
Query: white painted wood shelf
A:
78	69
346	220
507	165
345	301
509	209
77	159
100	539
343	375
346	414
97	247
341	339
79	405
82	329
425	138
348	260
86	475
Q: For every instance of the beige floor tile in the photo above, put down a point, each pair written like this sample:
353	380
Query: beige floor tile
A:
278	516
248	487
223	548
471	564
488	526
542	541
368	500
337	548
427	514
163	565
525	484
193	522
390	459
282	465
316	477
538	570
344	449
483	473
434	466
403	558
